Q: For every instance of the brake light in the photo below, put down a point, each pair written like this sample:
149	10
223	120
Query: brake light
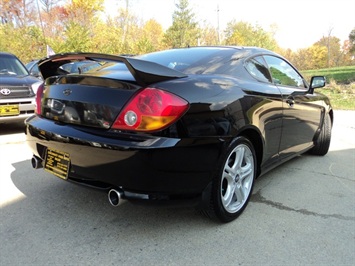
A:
150	110
39	96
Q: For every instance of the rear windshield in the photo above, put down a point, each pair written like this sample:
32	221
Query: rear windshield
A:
10	65
191	60
204	60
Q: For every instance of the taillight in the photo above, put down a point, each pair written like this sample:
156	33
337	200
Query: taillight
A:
39	96
150	110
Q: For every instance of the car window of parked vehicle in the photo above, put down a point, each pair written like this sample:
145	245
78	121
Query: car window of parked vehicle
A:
283	73
35	69
10	65
31	64
256	67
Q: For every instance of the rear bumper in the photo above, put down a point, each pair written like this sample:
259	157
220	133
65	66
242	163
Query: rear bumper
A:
139	163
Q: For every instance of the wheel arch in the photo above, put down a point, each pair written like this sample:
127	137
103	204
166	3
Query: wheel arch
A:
254	136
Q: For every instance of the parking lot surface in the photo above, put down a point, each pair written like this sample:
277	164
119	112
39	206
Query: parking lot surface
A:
303	212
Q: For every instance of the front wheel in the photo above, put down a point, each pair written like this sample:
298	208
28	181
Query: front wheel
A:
322	143
233	183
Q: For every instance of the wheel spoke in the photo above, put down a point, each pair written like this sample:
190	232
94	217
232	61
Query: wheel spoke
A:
246	171
239	157
227	199
239	193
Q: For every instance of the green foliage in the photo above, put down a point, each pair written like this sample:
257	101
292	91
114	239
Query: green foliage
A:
341	96
78	38
26	42
107	41
78	25
352	41
151	37
340	85
184	30
341	75
332	45
245	34
316	57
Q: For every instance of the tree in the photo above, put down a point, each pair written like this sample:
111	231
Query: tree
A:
83	16
317	57
77	38
107	37
130	27
151	39
25	42
244	34
348	56
352	42
48	5
332	44
314	57
209	35
20	13
184	30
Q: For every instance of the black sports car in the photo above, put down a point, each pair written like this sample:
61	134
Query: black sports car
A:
196	124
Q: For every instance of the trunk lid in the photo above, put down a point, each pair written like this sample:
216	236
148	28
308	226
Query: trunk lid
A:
95	98
85	100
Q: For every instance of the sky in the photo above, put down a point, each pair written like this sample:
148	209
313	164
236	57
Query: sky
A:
299	23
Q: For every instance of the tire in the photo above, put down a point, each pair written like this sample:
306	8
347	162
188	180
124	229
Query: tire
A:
322	143
233	182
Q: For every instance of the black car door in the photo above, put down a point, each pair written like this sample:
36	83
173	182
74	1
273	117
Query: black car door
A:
267	114
300	117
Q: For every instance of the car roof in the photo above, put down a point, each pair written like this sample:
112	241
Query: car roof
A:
252	49
7	54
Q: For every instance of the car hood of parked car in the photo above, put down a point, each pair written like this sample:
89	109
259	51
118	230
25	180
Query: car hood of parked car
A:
15	80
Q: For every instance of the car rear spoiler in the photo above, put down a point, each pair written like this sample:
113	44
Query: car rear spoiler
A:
144	72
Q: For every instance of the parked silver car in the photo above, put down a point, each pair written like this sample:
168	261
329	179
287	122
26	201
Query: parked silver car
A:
17	89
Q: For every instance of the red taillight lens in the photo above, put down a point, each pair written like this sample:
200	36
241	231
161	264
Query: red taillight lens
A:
150	110
39	96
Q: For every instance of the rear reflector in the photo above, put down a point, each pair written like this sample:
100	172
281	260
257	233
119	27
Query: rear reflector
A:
39	96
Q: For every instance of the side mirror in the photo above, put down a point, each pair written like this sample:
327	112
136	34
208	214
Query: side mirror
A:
36	74
317	82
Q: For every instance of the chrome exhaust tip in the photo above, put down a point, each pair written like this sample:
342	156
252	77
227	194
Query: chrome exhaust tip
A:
36	162
115	197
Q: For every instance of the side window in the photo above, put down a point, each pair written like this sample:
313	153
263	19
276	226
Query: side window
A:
35	69
256	67
283	73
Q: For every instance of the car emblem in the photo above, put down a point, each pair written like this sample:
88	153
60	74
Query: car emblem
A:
67	92
5	91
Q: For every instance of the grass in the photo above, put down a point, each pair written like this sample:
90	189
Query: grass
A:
340	86
342	96
342	75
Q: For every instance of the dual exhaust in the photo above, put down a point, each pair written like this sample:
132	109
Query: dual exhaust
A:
115	196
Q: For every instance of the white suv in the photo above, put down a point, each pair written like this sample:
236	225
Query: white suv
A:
17	89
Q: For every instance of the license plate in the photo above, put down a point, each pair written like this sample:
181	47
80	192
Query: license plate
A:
9	110
57	163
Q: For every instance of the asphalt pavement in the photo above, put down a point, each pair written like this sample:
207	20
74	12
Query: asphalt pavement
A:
303	212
